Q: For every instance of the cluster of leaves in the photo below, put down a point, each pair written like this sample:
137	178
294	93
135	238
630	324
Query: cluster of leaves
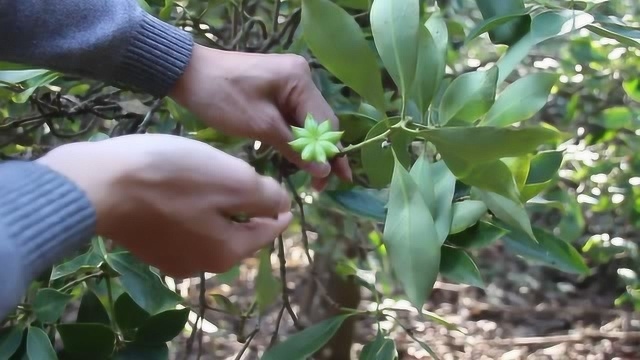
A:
447	160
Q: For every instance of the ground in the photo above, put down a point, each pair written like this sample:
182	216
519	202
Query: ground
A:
525	312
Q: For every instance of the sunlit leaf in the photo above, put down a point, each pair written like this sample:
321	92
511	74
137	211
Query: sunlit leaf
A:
18	76
548	250
469	96
618	117
520	100
410	237
395	27
305	343
335	38
506	210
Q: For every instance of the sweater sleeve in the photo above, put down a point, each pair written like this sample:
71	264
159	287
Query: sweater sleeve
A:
114	41
43	217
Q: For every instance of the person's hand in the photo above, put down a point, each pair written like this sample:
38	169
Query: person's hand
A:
170	200
257	96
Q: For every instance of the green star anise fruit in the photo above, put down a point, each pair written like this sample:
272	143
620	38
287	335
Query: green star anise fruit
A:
315	142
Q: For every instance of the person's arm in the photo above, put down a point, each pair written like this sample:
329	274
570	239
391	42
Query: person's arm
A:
115	41
43	216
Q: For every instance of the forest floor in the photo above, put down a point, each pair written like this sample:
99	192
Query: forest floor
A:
525	312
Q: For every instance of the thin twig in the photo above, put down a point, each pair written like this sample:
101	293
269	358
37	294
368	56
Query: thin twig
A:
298	200
283	276
248	342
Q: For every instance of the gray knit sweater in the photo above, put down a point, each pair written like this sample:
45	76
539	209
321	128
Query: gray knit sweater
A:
43	216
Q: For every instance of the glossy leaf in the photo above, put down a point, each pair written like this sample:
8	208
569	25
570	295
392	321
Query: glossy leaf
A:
544	26
458	266
38	345
128	314
495	21
519	167
95	341
92	310
377	161
429	71
478	236
548	250
492	176
410	238
483	144
544	166
305	343
10	340
624	34
466	214
49	304
359	202
469	96
379	349
86	262
506	210
162	327
395	26
145	287
520	100
337	41
18	76
267	286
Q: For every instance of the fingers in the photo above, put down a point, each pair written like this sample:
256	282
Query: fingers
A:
260	232
264	198
311	101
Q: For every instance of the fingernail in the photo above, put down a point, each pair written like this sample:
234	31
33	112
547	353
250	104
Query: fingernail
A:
320	170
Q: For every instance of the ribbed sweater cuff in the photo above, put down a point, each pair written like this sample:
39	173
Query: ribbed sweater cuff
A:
156	57
45	216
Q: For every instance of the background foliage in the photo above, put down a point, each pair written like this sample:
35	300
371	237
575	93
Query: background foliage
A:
479	135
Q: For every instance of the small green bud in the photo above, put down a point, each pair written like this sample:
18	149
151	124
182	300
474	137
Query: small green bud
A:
315	142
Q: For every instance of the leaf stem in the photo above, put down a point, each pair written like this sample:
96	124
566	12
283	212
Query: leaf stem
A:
79	281
366	142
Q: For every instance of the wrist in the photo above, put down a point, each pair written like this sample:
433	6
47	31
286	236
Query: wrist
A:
100	185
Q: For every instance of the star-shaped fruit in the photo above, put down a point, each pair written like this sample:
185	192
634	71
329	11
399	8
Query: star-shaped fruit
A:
315	142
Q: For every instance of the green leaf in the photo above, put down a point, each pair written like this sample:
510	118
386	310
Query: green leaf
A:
520	100
337	41
506	210
466	214
492	176
548	250
395	26
49	304
95	341
359	202
305	343
18	76
38	345
128	314
544	166
267	286
379	349
410	237
144	286
484	144
519	167
437	185
133	351
32	85
429	71
162	327
469	96
87	262
458	266
377	161
495	21
626	35
544	26
632	88
10	340
618	117
225	304
478	236
92	310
